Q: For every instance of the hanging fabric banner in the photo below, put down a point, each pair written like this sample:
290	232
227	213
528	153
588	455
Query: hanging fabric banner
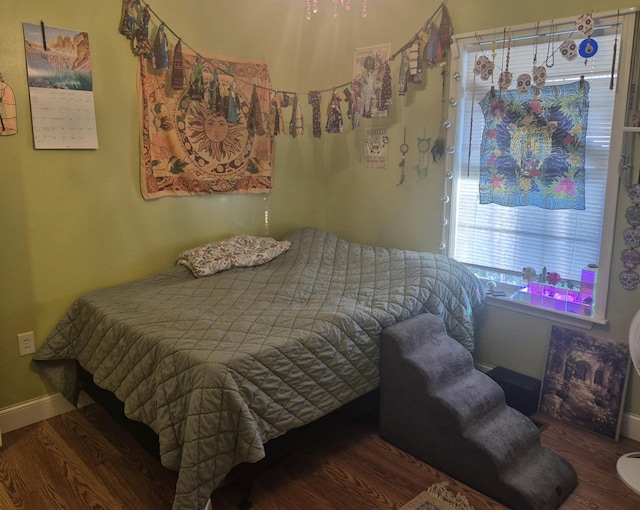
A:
189	145
533	146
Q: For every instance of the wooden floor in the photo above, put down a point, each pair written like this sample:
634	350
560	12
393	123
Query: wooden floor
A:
85	460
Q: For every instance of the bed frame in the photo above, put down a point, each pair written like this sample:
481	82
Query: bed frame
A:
242	475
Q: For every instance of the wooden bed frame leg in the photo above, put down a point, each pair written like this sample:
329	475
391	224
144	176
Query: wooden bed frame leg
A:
246	486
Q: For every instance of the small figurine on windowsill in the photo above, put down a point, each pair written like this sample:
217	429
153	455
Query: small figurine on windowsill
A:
529	274
553	278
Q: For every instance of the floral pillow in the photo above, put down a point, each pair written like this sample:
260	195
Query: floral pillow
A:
238	251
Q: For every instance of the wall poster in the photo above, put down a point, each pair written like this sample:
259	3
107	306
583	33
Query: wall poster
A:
375	147
368	76
60	87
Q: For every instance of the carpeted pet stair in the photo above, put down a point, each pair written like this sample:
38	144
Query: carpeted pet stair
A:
435	405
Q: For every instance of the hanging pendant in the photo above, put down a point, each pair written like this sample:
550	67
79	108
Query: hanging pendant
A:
584	24
524	83
483	68
588	48
539	76
424	144
551	54
615	49
569	50
404	148
504	81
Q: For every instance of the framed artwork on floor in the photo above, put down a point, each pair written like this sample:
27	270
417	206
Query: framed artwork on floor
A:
585	381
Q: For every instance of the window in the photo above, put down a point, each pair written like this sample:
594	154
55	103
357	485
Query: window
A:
499	241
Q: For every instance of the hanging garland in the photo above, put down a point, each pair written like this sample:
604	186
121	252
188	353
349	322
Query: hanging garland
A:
427	47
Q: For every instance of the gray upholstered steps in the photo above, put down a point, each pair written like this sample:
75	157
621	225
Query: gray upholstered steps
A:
435	405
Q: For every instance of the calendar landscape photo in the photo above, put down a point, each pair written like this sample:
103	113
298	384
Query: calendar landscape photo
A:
65	63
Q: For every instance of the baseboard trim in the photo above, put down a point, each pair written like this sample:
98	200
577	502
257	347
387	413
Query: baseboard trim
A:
38	409
43	408
630	426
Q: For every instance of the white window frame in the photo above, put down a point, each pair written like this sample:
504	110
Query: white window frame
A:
456	160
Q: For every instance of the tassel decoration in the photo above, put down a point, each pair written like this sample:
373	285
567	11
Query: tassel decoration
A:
129	23
160	55
177	76
355	104
141	46
254	122
233	107
196	84
433	50
278	120
296	126
415	63
445	32
335	122
314	100
404	74
214	97
386	92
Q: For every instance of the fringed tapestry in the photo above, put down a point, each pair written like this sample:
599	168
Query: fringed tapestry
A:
533	147
204	128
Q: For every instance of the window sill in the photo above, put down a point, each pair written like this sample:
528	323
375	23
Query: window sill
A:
570	319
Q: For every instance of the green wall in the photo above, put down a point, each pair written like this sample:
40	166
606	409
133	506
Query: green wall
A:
73	221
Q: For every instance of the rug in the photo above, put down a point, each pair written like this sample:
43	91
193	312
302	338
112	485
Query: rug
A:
438	497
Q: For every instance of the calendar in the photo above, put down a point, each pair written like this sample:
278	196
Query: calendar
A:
60	88
63	119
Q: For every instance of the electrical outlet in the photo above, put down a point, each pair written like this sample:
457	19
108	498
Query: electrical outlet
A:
26	343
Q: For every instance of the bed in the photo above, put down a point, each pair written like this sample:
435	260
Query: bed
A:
219	365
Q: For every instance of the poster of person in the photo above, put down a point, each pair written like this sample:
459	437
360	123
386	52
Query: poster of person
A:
60	87
375	148
368	76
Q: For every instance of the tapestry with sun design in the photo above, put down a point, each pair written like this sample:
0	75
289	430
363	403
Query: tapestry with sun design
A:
533	147
206	135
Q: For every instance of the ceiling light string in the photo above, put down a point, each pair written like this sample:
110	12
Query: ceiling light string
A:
346	4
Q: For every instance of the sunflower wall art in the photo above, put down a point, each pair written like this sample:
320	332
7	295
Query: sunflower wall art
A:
205	136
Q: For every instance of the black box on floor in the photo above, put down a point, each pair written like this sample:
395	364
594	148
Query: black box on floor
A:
521	391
